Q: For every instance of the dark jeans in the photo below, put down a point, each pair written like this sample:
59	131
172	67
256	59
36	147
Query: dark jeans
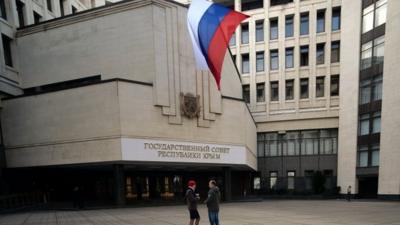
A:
213	217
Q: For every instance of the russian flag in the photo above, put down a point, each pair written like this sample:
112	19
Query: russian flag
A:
210	27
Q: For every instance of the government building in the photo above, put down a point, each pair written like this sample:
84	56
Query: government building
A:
104	97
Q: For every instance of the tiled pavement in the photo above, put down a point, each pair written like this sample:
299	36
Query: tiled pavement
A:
283	212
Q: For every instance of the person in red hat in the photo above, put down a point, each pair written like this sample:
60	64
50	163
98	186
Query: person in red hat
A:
191	201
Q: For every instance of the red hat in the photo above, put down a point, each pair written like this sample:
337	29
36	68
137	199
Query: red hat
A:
191	183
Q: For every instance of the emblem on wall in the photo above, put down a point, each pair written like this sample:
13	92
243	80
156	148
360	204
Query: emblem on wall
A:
190	105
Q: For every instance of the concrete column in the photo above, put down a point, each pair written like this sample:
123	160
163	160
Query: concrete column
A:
119	185
228	183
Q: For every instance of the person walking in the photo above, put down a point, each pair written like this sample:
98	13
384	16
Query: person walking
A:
348	196
191	201
212	202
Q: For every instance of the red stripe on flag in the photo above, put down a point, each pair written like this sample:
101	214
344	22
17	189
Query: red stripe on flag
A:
219	42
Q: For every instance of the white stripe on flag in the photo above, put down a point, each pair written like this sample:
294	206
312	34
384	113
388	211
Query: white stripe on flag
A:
195	13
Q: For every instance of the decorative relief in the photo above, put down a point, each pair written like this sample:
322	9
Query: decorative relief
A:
190	105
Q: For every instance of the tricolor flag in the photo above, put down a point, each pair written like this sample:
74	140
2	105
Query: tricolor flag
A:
210	27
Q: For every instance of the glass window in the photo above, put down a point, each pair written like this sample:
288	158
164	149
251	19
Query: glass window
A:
377	88
363	157
320	87
3	13
273	177
379	49
257	183
259	61
334	85
49	5
366	55
289	89
21	13
260	149
274	59
260	30
304	21
273	29
364	124
304	55
250	4
245	63
289	61
365	91
274	91
289	26
335	51
37	18
291	175
274	148
368	19
380	12
304	88
321	21
375	155
245	33
320	53
261	92
336	18
246	93
232	41
7	50
376	122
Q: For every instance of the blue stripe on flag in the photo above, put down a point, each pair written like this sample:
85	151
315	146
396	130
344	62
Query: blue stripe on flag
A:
209	23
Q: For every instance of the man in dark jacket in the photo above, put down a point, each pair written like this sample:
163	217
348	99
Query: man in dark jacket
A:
191	201
212	202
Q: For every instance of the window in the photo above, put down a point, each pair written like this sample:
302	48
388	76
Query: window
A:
321	21
289	26
3	13
363	156
273	178
320	53
232	41
377	88
245	33
364	124
261	92
290	181
335	51
304	55
336	18
245	63
365	91
289	61
380	12
376	122
49	5
21	13
7	50
36	17
74	10
366	55
375	155
368	19
273	28
246	93
259	30
274	91
251	4
280	2
372	52
259	61
304	88
308	174
304	23
334	85
320	87
379	50
289	89
274	59
62	7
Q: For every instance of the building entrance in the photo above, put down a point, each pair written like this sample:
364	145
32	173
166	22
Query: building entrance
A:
368	187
